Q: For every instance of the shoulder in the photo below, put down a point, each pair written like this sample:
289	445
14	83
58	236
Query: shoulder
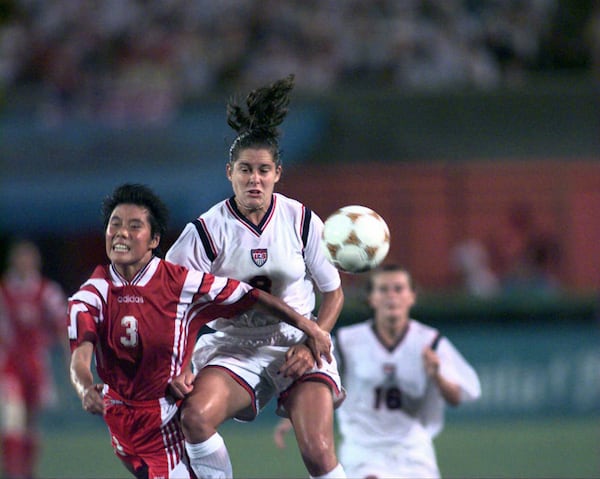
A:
214	219
286	200
95	289
213	216
214	213
217	209
421	327
309	223
355	332
286	203
424	331
100	272
177	277
172	269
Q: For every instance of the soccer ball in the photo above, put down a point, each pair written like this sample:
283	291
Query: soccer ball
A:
355	239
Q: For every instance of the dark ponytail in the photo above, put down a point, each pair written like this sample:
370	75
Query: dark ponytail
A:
257	122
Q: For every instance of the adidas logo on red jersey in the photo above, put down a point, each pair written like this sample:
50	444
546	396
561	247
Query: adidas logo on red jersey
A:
130	299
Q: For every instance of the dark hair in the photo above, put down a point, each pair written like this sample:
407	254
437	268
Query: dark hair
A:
389	268
266	107
143	196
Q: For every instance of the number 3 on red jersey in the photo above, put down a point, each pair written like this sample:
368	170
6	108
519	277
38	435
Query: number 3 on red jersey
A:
130	340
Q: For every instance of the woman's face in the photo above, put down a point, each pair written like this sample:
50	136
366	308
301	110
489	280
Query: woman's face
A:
253	176
25	260
129	240
392	295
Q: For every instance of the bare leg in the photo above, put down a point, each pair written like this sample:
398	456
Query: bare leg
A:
215	398
310	405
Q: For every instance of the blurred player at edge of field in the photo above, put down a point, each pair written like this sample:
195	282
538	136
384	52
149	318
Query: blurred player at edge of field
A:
32	310
399	374
140	316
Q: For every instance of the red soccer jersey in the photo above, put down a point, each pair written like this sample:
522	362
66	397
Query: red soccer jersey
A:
31	314
144	330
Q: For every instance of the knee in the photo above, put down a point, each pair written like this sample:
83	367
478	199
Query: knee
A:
196	422
14	417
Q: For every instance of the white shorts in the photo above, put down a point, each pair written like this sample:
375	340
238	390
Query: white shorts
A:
254	359
389	461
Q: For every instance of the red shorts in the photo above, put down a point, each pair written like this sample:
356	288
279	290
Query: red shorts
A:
26	379
147	435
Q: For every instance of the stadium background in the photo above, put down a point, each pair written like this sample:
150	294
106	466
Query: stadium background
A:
442	153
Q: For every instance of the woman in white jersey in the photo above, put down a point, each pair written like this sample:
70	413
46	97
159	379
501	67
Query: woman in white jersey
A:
399	374
272	242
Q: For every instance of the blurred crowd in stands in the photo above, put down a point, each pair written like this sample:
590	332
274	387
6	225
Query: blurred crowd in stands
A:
521	257
124	59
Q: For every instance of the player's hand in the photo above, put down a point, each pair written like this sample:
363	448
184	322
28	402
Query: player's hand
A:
319	343
431	361
281	429
92	400
183	384
298	360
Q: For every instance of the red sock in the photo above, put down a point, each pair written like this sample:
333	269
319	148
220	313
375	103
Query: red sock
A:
14	456
31	449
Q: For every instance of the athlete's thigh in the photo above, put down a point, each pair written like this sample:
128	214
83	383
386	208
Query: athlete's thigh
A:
166	457
217	394
327	375
147	447
241	374
310	406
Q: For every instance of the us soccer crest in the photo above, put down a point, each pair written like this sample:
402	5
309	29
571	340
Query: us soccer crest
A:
389	371
259	256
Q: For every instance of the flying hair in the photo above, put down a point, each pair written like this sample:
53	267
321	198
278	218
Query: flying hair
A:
257	121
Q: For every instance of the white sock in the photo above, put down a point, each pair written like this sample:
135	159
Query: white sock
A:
210	459
336	473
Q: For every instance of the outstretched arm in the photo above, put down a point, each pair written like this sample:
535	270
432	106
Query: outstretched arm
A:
330	308
83	379
319	340
298	360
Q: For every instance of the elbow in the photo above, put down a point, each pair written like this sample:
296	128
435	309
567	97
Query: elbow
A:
339	297
453	395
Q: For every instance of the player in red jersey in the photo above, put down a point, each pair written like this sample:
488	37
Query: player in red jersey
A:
140	315
32	310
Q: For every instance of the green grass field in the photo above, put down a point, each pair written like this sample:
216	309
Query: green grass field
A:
557	448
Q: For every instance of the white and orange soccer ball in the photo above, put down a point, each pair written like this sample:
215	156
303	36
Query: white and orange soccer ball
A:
355	239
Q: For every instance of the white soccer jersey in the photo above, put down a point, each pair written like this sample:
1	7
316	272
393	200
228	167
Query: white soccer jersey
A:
390	398
282	255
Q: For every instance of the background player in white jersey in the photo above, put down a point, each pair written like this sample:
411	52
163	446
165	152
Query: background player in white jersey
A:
399	374
137	315
273	242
